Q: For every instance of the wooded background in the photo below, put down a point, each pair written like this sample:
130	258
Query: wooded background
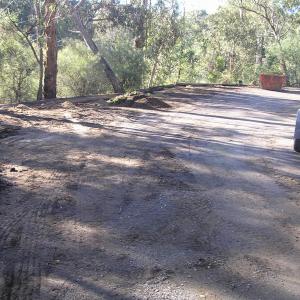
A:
73	48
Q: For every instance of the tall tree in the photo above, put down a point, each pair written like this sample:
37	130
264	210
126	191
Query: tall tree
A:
162	35
40	44
275	15
111	76
28	24
50	79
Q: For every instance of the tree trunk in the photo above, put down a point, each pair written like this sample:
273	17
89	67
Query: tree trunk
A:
140	41
145	9
50	80
111	76
283	66
259	51
154	69
41	77
40	46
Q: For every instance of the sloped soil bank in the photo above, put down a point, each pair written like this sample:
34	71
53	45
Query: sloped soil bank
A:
7	130
3	183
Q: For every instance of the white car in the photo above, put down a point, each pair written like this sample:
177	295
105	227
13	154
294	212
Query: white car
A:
297	134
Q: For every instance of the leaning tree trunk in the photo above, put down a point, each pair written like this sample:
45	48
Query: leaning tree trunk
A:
111	76
50	79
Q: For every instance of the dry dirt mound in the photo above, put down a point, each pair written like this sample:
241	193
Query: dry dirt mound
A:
138	100
68	104
22	107
150	103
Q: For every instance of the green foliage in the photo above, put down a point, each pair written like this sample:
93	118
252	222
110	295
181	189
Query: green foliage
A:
17	70
127	61
155	45
79	71
291	50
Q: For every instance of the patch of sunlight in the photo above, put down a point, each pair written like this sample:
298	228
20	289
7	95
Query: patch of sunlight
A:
55	281
287	262
124	161
291	283
184	289
37	139
78	128
80	229
15	171
121	161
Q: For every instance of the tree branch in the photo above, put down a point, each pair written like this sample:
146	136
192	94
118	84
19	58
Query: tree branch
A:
19	30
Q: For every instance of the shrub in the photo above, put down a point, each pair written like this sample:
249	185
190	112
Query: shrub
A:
79	71
18	79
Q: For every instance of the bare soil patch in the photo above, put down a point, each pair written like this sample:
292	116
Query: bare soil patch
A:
190	193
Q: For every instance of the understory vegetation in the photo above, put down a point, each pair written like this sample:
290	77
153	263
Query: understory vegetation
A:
148	44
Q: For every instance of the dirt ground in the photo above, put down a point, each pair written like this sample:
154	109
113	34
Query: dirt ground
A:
197	201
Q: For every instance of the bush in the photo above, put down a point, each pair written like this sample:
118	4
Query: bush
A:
79	71
291	49
126	61
18	76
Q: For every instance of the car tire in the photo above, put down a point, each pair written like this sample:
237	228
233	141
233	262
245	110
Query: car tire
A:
297	145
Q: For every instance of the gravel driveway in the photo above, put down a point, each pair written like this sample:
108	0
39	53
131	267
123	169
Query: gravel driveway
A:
197	201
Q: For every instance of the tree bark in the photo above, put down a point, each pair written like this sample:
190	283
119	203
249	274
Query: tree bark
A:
154	69
40	48
141	39
283	66
50	79
111	76
39	95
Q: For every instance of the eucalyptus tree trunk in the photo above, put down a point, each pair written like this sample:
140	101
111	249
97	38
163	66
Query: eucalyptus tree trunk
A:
283	66
50	79
38	15
111	76
142	26
259	51
154	70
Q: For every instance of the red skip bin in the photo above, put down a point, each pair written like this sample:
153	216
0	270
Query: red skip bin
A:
272	82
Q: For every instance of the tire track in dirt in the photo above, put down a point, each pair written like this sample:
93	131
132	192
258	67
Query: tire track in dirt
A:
7	226
23	265
66	207
21	239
